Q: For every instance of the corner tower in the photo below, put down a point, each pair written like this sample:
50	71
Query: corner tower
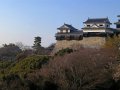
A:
68	32
97	27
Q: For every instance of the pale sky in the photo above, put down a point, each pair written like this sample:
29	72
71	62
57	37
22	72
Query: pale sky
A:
22	20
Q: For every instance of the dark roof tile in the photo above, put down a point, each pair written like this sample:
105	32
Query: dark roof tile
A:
67	26
97	20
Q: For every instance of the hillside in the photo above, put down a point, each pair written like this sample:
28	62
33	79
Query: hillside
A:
79	70
68	69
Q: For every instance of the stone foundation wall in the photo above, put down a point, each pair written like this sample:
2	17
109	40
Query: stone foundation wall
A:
91	42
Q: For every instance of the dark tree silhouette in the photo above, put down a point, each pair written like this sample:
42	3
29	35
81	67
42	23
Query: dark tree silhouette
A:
37	43
9	52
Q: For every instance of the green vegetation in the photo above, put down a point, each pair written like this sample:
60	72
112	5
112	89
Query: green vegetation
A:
24	66
5	64
64	51
17	75
37	43
30	63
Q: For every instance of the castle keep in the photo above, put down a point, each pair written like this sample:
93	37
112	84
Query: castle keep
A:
92	35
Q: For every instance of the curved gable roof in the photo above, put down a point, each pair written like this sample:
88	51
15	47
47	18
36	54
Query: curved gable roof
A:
97	20
67	26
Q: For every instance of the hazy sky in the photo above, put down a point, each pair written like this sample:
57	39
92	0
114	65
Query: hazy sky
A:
22	20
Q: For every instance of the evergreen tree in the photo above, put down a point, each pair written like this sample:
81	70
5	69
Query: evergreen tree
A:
37	43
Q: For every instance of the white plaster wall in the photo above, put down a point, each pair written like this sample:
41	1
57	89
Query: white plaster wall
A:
102	30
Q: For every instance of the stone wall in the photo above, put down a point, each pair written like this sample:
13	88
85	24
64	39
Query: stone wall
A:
91	42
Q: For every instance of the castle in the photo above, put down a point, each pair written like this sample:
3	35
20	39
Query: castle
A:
92	35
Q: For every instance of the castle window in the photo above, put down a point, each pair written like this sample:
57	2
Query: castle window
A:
100	25
88	25
107	25
64	31
59	31
68	31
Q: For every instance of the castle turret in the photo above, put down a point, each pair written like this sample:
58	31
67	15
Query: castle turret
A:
68	32
97	27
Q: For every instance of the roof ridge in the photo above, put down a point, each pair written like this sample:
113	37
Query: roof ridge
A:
67	24
97	18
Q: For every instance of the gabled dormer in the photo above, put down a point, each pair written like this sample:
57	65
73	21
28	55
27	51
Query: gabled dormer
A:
66	28
97	23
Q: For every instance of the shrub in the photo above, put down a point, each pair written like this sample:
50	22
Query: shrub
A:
29	64
81	70
113	43
5	64
64	51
